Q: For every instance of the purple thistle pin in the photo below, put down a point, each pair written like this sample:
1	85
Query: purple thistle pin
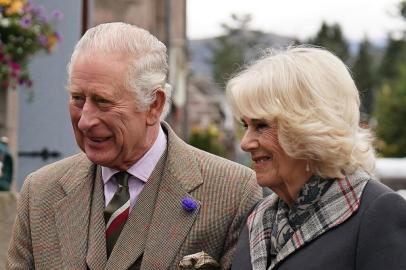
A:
189	204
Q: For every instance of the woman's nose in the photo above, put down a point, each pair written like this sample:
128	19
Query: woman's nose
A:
249	142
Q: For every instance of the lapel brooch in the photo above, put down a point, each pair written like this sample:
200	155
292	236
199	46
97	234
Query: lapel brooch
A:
189	204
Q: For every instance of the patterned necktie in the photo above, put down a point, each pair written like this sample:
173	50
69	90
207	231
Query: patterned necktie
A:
116	212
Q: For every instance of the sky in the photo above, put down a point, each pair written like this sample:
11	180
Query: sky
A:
297	18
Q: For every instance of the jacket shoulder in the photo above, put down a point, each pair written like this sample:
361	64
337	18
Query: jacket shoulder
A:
70	168
213	162
373	190
382	233
62	166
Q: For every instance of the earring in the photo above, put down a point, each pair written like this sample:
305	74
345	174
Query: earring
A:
307	166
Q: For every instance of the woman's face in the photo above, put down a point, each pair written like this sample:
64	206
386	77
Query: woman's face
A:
273	167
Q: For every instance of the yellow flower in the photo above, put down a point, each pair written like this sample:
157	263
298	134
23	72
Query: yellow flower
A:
213	130
196	130
52	41
16	7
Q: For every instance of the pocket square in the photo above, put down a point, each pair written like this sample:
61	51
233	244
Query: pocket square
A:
200	260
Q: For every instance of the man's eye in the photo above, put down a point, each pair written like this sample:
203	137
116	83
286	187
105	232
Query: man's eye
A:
77	98
103	102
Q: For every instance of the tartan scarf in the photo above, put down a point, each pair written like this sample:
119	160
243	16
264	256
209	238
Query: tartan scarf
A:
275	230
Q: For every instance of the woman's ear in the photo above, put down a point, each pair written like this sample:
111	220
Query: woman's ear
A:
156	108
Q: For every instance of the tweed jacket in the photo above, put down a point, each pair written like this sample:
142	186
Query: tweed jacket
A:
60	224
374	238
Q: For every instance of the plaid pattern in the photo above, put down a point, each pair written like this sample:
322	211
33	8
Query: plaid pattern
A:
288	219
66	199
338	203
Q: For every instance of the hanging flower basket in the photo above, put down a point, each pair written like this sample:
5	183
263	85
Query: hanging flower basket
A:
24	31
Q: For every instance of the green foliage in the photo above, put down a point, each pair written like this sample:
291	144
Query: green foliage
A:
391	114
24	31
364	76
390	106
227	58
231	48
332	38
208	139
394	56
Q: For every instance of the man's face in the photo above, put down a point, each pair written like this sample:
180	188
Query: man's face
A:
107	125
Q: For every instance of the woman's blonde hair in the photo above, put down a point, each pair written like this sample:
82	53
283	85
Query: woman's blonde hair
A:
311	96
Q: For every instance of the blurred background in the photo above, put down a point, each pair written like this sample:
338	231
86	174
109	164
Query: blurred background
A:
207	42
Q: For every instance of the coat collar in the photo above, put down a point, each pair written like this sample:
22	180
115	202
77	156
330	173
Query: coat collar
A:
338	204
72	212
96	257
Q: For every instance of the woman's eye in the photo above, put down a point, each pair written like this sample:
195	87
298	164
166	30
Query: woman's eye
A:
261	126
103	101
244	125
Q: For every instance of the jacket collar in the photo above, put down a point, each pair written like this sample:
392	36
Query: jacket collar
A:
72	211
338	204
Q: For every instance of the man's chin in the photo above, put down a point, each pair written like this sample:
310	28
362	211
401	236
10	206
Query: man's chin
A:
99	158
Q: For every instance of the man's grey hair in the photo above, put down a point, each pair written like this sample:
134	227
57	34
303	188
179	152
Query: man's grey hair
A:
146	54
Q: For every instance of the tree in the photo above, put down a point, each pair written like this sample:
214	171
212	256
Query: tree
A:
231	49
390	114
395	54
364	75
332	38
227	58
390	108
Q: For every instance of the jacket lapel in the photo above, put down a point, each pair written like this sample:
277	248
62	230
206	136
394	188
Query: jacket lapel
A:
96	257
72	213
131	243
171	223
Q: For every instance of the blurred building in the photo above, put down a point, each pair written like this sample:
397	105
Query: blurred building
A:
205	103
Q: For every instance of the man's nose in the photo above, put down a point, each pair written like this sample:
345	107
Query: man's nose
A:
88	117
248	142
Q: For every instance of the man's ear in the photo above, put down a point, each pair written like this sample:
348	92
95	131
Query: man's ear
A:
156	108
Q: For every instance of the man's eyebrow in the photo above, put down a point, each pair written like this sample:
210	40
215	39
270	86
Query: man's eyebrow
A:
73	91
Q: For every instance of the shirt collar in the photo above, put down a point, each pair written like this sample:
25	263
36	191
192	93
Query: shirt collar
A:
143	168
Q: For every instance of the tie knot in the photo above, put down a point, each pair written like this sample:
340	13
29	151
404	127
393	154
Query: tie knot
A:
122	178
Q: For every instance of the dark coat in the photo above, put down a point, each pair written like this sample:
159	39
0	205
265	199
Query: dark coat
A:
374	238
